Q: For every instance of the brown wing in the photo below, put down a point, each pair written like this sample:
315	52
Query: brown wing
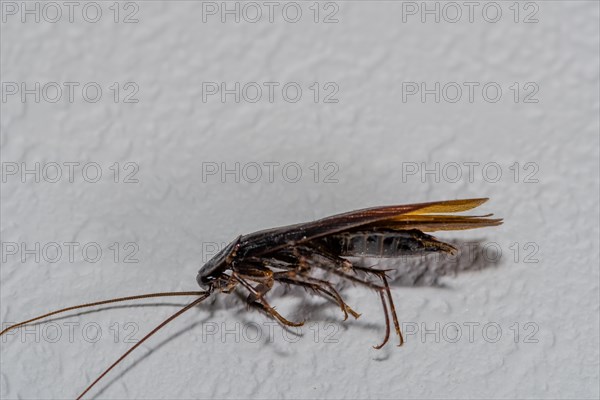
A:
431	223
426	217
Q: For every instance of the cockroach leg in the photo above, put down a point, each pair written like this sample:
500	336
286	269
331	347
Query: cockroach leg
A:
256	273
229	285
387	322
379	290
290	254
345	307
381	274
263	276
261	303
338	263
319	286
335	265
386	287
393	310
298	267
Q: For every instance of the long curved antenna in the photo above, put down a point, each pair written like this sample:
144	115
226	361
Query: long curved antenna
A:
98	303
152	332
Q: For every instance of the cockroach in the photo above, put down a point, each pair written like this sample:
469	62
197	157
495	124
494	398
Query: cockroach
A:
291	255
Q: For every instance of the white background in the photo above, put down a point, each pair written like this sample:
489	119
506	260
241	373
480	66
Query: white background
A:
547	276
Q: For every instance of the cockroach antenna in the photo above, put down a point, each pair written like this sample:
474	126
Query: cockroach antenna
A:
254	263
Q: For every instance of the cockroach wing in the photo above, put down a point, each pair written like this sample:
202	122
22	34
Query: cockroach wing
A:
426	217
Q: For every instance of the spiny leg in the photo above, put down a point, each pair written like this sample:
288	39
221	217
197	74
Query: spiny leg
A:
382	275
319	290
261	303
225	284
319	286
297	265
379	290
297	273
335	264
346	307
387	322
259	274
304	266
386	288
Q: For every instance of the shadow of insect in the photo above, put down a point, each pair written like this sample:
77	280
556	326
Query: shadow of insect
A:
323	256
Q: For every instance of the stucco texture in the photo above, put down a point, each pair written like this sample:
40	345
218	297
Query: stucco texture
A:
523	325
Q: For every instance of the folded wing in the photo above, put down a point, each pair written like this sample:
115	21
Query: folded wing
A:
426	217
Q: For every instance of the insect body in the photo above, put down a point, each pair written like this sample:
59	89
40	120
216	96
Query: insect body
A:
385	244
293	255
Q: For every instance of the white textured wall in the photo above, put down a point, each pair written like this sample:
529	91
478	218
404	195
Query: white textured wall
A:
371	135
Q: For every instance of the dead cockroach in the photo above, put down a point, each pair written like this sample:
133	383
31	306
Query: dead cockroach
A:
291	255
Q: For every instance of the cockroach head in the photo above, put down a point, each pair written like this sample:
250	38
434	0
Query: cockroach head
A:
216	265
